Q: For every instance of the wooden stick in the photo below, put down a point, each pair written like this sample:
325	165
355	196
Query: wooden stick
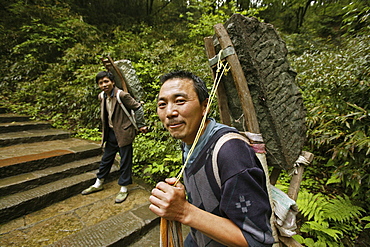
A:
171	234
179	234
240	81
164	232
296	180
221	93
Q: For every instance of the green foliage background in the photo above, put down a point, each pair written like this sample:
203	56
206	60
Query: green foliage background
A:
51	52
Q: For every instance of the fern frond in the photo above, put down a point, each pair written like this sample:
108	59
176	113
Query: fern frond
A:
322	240
311	206
341	209
319	229
366	218
320	244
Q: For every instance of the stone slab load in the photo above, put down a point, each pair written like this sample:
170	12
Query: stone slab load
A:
271	81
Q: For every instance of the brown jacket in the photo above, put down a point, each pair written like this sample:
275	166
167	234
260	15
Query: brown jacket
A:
123	128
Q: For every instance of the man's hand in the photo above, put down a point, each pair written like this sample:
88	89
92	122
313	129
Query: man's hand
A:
169	201
144	129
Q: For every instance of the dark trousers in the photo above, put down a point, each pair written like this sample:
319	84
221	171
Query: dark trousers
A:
110	151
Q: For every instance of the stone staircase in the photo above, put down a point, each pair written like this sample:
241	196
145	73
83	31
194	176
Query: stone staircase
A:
42	173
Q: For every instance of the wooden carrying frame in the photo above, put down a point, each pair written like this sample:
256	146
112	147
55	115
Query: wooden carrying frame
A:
247	108
112	67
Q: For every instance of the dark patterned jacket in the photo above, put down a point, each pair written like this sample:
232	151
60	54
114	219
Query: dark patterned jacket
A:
242	197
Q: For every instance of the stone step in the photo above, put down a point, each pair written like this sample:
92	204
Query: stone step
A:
152	237
90	220
29	157
10	117
29	136
23	126
26	181
120	230
42	174
22	203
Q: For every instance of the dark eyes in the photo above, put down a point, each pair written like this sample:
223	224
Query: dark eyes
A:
163	104
105	81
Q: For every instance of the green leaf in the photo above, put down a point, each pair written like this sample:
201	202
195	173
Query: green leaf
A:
333	179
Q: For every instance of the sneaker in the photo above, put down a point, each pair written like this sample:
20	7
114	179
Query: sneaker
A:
91	189
121	197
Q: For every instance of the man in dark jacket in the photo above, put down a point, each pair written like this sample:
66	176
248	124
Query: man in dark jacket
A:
228	203
118	133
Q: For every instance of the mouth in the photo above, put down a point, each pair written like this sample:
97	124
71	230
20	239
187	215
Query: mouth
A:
174	125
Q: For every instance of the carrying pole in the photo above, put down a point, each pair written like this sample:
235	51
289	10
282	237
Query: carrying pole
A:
112	67
240	80
221	94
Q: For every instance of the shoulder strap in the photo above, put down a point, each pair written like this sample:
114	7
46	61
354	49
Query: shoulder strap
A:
125	110
219	143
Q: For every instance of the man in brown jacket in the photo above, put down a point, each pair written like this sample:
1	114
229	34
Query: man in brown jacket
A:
118	133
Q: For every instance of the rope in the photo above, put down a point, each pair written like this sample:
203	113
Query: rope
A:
301	160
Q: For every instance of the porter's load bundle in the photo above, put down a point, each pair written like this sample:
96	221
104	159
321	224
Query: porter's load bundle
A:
125	77
276	97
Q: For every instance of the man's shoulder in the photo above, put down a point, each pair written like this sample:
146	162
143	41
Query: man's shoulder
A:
229	141
223	130
124	95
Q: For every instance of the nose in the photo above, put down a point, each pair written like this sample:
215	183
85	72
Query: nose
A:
171	111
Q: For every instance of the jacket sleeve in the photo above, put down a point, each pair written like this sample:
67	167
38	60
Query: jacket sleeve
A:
139	117
244	197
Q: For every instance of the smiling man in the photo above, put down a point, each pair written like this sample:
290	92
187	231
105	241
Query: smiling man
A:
118	133
234	213
180	109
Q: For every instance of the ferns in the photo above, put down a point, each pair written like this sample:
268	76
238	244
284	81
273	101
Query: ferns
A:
328	220
321	229
311	205
341	210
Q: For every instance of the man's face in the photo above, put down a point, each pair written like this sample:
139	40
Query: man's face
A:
179	109
106	85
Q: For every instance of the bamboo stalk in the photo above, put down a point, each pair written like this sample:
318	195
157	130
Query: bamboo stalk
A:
171	234
164	233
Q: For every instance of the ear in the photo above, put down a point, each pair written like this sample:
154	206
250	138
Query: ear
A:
204	106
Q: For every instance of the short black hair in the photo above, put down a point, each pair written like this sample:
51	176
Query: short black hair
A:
103	74
199	85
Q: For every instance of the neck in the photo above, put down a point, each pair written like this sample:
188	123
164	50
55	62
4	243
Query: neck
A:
109	93
204	129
